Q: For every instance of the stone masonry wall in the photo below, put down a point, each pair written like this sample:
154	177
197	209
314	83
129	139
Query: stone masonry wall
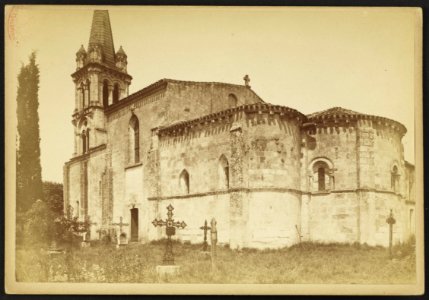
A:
332	215
238	137
273	219
189	100
274	151
338	145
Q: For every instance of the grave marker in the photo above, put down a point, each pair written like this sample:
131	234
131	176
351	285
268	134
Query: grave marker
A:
213	235
205	228
170	230
85	228
122	237
390	220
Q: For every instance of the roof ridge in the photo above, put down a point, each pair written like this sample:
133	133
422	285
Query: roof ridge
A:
201	82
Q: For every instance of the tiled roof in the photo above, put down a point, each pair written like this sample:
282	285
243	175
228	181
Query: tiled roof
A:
101	34
333	111
338	113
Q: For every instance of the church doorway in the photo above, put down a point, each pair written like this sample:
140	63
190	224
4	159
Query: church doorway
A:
134	225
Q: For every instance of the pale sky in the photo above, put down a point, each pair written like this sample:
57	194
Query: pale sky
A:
309	59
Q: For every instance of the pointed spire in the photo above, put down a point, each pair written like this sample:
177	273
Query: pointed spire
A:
81	50
101	36
121	52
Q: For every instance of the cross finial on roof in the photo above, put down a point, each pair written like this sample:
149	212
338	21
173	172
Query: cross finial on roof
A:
246	80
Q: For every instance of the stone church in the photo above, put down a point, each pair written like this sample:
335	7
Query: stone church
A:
270	175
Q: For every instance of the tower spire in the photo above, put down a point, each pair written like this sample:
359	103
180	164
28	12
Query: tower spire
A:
101	38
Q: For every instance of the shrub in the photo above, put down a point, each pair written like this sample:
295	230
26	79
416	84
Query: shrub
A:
38	224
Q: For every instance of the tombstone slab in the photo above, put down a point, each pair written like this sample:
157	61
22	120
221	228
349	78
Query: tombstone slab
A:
85	244
167	271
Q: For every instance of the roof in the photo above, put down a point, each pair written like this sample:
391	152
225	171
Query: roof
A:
339	113
179	125
333	111
162	83
101	35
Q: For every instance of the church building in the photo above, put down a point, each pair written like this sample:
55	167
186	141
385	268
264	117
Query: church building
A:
270	175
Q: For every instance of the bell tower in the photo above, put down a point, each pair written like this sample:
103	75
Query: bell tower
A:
101	80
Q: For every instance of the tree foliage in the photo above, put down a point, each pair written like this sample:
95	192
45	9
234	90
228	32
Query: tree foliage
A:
28	168
53	195
43	227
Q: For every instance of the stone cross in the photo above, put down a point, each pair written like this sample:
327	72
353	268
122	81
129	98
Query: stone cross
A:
170	230
390	220
246	80
120	224
205	228
213	234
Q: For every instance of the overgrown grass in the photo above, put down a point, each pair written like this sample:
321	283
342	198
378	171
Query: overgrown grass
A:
304	263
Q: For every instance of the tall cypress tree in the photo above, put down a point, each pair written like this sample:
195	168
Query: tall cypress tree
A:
28	168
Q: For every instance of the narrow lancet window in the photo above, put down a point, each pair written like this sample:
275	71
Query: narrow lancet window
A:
223	170
115	93
134	140
105	93
83	142
184	182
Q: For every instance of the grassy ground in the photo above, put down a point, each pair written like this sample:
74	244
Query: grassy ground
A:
305	263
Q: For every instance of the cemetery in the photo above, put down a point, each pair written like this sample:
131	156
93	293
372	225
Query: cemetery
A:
169	260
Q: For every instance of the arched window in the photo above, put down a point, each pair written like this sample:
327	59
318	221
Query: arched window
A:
223	170
105	93
232	100
394	179
322	177
184	182
88	86
115	93
87	140
83	142
82	97
134	140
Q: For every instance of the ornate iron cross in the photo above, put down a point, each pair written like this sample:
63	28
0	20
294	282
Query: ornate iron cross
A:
170	230
205	228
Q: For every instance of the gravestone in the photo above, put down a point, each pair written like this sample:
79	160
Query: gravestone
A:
205	228
213	235
86	240
54	249
84	228
122	238
390	220
168	268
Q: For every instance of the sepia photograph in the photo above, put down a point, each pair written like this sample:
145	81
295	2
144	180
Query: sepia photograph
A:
213	150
